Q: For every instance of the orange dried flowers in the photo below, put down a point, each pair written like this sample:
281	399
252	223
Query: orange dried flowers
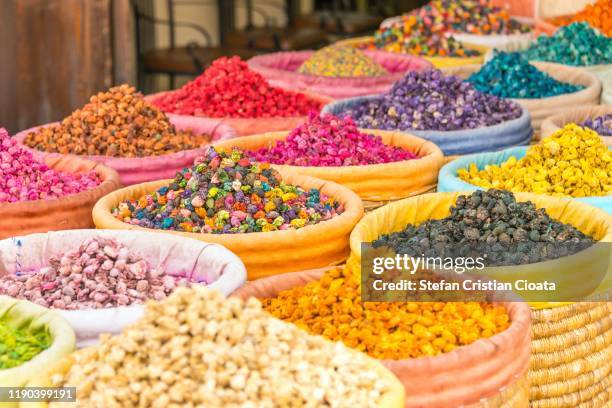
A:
117	123
332	307
598	15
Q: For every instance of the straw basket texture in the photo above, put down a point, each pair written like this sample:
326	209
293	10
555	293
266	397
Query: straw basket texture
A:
571	362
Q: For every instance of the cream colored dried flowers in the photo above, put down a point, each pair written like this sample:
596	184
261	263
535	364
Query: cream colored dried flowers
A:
198	349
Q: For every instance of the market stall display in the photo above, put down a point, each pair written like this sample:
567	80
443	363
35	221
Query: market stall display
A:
542	107
121	130
31	339
54	193
98	280
281	69
568	339
328	303
377	165
560	361
443	109
251	359
225	197
572	162
276	247
231	92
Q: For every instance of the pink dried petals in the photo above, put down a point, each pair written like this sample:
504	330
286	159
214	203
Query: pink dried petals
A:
101	273
22	178
327	140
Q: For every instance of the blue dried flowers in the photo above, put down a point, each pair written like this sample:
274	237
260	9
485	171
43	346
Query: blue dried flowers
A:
510	75
577	44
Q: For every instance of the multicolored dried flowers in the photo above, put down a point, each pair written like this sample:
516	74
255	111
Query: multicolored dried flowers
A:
428	30
23	178
198	349
227	193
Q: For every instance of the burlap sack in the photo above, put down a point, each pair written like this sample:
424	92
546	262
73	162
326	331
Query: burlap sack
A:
281	70
141	169
555	8
376	182
68	212
253	126
264	253
466	376
19	313
542	108
198	261
575	115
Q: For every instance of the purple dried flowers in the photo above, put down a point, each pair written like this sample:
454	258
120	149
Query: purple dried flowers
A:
601	124
429	100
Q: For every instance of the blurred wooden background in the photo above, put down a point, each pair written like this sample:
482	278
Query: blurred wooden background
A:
54	55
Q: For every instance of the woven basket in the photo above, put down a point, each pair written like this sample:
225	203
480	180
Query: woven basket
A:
571	356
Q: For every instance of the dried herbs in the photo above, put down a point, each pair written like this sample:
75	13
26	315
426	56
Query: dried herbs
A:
493	225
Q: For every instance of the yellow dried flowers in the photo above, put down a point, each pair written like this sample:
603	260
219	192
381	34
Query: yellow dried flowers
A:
332	307
573	161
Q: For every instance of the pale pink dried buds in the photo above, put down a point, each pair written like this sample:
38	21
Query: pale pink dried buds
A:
101	273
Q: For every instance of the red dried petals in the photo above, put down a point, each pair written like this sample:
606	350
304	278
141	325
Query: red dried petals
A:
228	88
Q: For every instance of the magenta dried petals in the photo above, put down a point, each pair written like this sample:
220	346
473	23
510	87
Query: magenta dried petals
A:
22	178
327	140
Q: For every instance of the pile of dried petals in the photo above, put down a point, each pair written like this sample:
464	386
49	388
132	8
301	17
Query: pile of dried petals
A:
22	178
117	123
100	273
228	193
332	307
330	141
573	161
228	88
